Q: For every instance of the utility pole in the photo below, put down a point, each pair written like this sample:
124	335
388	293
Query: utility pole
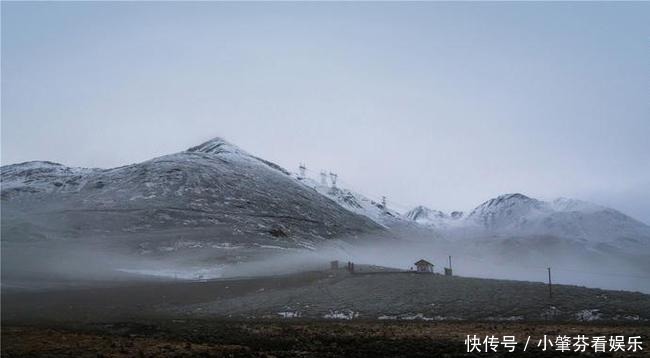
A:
323	177
550	285
448	271
302	168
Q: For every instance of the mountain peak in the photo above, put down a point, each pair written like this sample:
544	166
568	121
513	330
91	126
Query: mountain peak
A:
423	211
216	145
505	199
512	196
222	148
512	206
423	215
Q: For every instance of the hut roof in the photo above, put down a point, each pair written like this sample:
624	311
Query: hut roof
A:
423	262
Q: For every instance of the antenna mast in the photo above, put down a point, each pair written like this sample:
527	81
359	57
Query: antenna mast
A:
302	169
333	177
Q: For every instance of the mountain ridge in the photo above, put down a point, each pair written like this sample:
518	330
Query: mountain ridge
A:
518	214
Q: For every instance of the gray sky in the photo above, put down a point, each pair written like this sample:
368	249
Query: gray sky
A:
439	104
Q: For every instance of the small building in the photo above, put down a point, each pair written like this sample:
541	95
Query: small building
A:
334	265
424	266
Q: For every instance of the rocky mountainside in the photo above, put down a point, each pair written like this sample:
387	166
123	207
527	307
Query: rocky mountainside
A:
214	194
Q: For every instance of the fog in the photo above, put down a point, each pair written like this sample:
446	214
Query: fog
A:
77	264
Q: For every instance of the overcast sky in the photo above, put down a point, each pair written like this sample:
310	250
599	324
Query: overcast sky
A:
445	105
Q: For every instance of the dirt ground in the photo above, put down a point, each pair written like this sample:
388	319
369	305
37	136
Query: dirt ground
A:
317	295
211	338
379	315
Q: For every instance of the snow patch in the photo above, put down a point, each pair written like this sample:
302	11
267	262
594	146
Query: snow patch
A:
345	314
419	317
589	315
290	314
199	273
550	313
225	246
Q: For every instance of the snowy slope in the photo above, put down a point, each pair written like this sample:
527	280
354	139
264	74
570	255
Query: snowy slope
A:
355	202
41	176
210	194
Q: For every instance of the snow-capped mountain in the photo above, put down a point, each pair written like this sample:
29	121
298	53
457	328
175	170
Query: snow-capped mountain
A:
517	214
434	218
210	194
508	211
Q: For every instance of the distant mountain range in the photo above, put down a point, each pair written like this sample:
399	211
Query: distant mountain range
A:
517	214
216	193
506	215
215	210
